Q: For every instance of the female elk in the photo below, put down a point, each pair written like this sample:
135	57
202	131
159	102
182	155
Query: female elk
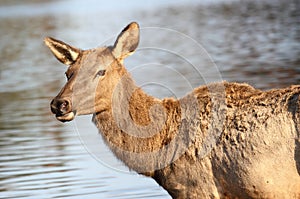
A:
222	140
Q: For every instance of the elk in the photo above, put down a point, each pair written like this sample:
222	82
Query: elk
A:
222	140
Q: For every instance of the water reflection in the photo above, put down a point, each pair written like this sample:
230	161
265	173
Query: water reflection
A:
41	157
255	42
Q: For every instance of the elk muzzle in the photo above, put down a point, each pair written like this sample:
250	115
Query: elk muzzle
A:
62	108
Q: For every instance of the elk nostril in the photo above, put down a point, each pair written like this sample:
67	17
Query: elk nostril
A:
63	105
60	106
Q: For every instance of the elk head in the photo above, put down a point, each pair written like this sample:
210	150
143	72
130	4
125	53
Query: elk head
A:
90	73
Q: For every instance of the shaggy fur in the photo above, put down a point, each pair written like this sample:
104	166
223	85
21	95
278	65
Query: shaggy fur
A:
222	140
256	154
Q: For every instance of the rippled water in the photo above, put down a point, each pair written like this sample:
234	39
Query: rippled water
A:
254	42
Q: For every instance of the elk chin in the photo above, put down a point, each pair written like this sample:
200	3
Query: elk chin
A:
66	117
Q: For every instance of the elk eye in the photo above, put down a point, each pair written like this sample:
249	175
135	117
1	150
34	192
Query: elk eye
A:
101	73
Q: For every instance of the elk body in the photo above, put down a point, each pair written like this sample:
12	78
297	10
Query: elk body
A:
222	140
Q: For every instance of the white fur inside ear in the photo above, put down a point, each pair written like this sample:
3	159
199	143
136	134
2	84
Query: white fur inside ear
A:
117	53
62	51
74	55
127	41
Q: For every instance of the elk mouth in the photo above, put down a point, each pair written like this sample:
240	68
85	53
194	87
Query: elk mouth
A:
67	117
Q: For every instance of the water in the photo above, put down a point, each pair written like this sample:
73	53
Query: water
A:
256	42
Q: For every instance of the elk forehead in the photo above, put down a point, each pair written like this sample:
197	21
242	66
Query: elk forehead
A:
100	58
92	61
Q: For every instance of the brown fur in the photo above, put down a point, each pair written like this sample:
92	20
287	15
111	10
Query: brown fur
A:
222	140
259	127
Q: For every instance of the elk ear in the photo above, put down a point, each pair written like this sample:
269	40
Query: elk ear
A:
65	53
127	41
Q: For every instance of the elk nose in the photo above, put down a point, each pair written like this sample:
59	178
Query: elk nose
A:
60	106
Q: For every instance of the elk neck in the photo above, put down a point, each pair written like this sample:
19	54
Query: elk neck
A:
135	122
